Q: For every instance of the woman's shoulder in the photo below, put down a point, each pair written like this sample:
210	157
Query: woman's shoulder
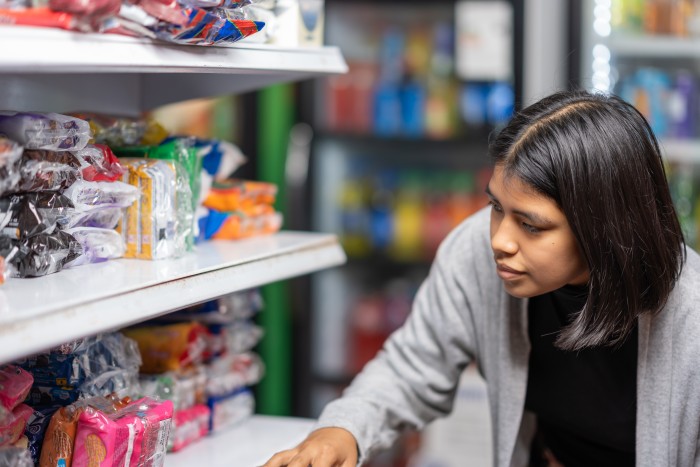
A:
686	295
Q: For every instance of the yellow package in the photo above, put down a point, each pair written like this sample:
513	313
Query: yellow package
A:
169	347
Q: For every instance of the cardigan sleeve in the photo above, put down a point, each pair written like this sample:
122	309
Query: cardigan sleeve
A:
414	378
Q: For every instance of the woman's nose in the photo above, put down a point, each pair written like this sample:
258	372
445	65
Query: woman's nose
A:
502	239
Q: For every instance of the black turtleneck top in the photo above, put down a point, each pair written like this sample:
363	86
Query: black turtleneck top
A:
585	401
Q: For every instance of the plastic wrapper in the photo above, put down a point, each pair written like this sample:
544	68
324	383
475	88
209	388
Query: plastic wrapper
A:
220	158
102	218
160	224
234	338
99	164
98	245
240	195
6	270
124	131
25	215
42	17
15	457
94	8
189	425
40	254
12	428
184	388
241	305
55	368
45	396
59	438
43	170
170	347
96	195
10	157
232	372
14	4
36	429
135	435
237	225
205	28
231	409
14	386
45	131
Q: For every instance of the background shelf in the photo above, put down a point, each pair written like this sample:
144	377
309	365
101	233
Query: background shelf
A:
36	314
655	46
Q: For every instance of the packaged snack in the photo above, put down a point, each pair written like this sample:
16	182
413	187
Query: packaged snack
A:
45	131
232	372
170	347
189	425
25	215
93	8
42	17
101	218
14	386
236	225
15	457
236	338
99	164
43	170
98	245
135	435
86	195
160	224
13	426
40	254
184	388
46	396
113	362
54	369
205	28
10	156
36	429
221	158
230	409
240	195
57	448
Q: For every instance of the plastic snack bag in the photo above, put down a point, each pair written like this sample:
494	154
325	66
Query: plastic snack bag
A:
13	427
237	225
14	386
45	131
170	347
189	425
99	164
43	170
36	429
25	215
230	409
41	254
10	156
91	195
240	195
205	28
102	218
98	245
15	457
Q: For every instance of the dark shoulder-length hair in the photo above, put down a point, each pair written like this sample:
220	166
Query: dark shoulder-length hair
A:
597	158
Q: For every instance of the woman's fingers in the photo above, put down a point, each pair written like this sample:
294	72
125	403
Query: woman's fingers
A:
281	459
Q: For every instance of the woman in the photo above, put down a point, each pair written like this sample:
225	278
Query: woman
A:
572	293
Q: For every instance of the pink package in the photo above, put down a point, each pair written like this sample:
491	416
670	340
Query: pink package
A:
136	435
15	384
13	430
189	425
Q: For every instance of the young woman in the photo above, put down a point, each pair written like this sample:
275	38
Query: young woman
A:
573	293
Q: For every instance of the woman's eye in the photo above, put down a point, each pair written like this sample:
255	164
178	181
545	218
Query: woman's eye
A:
531	228
495	206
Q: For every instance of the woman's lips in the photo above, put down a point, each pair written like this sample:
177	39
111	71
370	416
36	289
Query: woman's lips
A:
506	273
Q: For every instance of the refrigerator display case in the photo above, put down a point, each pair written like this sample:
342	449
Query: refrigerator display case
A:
648	53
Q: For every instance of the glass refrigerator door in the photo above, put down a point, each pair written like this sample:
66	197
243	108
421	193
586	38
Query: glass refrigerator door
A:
648	53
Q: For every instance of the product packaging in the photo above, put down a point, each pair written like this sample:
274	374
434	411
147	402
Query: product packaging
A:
185	388
26	215
229	373
36	429
43	170
170	347
12	426
98	245
231	409
189	425
99	164
14	386
15	457
45	131
87	196
10	156
40	254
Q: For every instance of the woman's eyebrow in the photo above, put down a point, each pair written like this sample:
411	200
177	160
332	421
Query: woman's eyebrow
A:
530	216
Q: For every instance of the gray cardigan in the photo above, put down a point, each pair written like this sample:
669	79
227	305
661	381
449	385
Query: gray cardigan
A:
462	314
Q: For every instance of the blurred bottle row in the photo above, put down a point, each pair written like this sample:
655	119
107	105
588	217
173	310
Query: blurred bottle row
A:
408	88
404	213
663	17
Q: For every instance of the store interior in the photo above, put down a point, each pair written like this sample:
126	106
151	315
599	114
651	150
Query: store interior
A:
215	238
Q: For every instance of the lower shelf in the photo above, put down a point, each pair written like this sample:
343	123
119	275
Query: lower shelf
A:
249	444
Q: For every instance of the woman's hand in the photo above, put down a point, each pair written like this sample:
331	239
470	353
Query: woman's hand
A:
325	447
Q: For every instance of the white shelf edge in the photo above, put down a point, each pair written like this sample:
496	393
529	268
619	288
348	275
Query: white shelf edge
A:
654	46
54	315
248	444
681	151
46	50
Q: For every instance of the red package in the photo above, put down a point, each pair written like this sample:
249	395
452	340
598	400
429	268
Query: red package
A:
189	425
99	164
42	17
13	431
15	384
87	7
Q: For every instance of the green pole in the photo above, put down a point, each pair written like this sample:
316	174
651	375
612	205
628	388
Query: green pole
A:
275	120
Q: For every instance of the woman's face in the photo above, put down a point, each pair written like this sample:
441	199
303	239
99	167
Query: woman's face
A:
533	246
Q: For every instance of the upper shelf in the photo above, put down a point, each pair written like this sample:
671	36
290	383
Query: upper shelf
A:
36	314
122	74
655	46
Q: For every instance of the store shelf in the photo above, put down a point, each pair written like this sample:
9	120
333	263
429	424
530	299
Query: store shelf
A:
655	46
249	444
36	314
681	151
123	74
